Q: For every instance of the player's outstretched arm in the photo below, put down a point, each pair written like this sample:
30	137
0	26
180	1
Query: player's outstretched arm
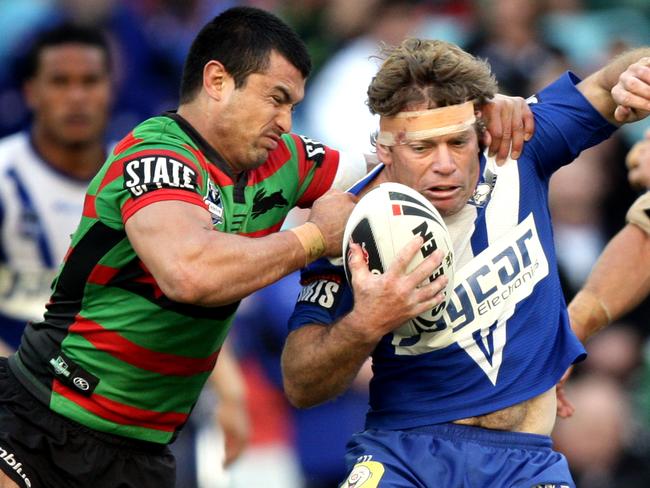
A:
319	362
193	263
619	281
617	284
620	91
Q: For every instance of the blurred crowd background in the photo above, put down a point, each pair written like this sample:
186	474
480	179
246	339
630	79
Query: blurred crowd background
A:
528	43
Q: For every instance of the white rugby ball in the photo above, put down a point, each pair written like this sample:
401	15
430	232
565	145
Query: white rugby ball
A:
383	222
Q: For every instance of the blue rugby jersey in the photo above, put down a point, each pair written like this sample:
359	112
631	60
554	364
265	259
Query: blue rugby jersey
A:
40	207
505	335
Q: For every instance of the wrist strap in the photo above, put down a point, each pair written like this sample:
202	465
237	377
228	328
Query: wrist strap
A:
312	240
588	314
639	212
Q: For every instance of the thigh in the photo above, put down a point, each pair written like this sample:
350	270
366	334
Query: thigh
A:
6	482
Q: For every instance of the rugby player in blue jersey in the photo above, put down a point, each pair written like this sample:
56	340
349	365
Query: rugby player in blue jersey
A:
471	403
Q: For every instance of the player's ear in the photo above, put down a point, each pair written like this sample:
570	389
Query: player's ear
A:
384	154
216	80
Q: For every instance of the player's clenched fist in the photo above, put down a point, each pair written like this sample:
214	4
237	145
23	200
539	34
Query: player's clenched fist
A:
330	213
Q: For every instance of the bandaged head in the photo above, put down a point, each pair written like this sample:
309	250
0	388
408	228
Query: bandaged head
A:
405	127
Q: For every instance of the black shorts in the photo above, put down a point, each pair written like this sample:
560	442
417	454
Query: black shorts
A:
41	449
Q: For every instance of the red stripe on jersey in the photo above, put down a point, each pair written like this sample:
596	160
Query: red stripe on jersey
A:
100	275
131	206
275	160
397	210
263	232
89	207
117	167
67	253
128	351
128	141
120	413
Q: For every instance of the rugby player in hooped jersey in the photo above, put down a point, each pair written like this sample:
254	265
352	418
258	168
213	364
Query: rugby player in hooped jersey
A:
178	225
472	403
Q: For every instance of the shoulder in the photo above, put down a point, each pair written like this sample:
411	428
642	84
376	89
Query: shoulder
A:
15	149
158	137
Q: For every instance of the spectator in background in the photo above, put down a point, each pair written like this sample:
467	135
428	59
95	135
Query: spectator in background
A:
508	36
336	111
44	171
598	440
146	80
579	214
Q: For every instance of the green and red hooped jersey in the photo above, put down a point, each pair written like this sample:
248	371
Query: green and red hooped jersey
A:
113	352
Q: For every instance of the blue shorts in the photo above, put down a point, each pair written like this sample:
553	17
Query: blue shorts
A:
454	456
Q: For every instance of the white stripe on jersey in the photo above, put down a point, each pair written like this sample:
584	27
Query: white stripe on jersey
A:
40	209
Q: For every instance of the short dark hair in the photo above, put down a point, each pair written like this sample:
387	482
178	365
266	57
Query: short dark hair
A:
241	38
63	34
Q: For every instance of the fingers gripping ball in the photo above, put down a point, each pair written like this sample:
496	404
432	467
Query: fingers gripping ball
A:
383	222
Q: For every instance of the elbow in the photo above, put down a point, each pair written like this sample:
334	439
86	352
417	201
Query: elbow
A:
299	397
182	284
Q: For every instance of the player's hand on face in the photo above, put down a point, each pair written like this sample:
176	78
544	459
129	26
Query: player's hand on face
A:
330	213
385	301
638	164
632	92
510	122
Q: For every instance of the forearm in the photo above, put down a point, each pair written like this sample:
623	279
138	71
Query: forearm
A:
193	263
597	87
226	379
320	362
236	266
617	284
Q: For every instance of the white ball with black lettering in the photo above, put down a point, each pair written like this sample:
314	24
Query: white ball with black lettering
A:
383	222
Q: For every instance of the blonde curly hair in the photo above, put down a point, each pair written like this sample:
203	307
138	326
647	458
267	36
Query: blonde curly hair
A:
432	71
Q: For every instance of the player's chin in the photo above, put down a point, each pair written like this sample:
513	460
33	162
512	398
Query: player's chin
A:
447	206
256	158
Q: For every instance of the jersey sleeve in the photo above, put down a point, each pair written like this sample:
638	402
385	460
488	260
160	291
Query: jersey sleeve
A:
325	295
143	173
320	168
565	124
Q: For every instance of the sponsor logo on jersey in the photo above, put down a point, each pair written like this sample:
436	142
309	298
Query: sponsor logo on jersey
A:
551	485
153	172
486	292
323	290
314	150
81	383
73	375
366	474
13	463
213	201
262	202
